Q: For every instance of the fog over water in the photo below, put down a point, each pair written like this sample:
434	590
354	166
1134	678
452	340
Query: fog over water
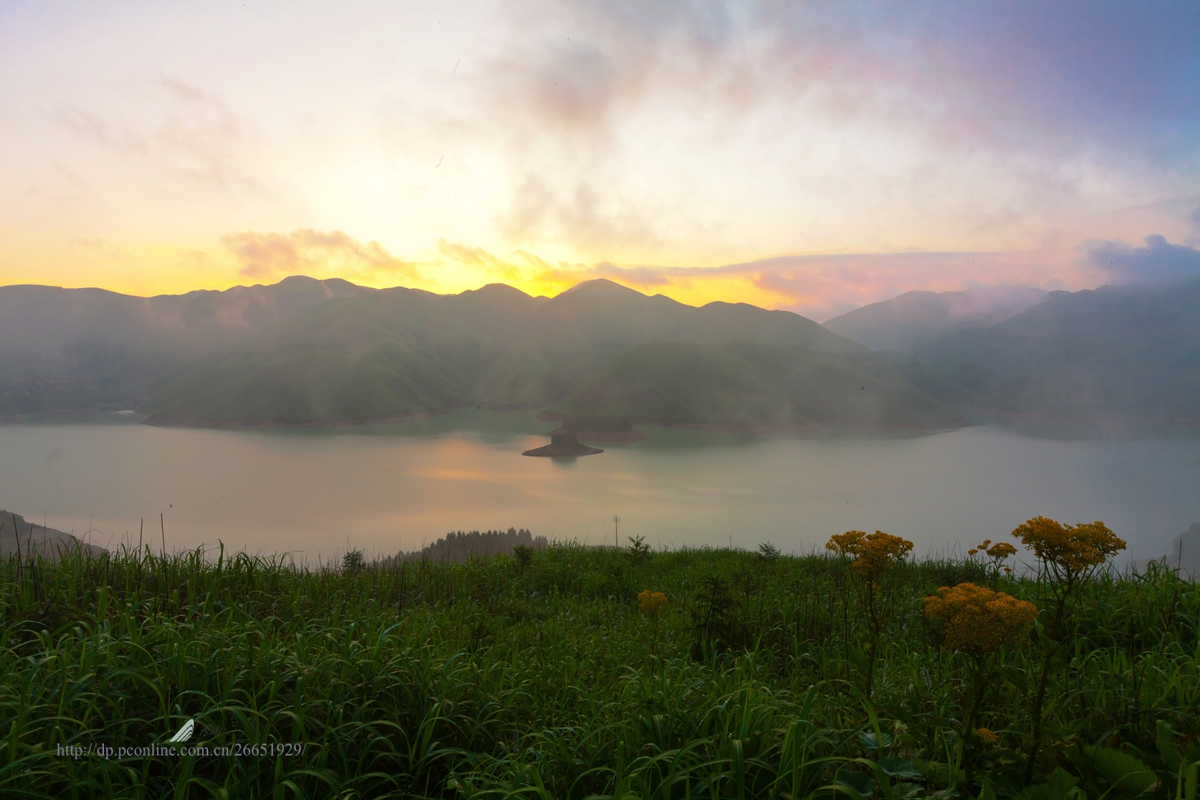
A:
396	487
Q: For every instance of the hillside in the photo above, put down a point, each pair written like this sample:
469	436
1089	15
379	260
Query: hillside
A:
309	352
746	384
910	321
400	352
1115	356
73	349
1114	359
27	539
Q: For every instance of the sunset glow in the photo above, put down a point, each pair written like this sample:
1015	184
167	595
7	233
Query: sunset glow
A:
814	158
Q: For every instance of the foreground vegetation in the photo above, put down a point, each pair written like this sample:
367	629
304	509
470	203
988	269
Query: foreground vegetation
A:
535	675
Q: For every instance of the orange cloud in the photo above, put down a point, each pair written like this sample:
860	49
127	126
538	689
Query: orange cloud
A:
823	286
270	255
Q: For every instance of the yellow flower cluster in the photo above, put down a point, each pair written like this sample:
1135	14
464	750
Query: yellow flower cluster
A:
998	551
987	736
1071	549
846	544
650	602
977	620
874	553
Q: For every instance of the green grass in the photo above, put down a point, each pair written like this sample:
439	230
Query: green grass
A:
534	676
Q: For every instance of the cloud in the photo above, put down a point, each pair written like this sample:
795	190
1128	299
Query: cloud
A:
1008	72
587	217
181	128
823	286
95	130
633	276
653	132
96	249
304	251
478	258
574	87
467	254
1158	262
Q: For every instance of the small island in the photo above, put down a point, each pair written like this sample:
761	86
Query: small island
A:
563	444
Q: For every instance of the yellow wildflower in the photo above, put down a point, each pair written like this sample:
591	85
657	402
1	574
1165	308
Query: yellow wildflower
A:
846	544
977	620
996	553
999	550
874	553
987	736
650	602
1069	550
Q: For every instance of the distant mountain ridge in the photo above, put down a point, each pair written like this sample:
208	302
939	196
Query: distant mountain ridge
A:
400	352
910	321
1115	358
1108	357
310	352
67	349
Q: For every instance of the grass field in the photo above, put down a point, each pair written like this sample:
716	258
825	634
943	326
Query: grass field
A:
536	676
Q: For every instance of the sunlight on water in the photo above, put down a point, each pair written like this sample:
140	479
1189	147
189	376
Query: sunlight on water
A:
387	488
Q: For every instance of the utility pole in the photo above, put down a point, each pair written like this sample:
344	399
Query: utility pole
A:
616	537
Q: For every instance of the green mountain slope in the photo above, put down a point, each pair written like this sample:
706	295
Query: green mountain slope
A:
1118	358
599	348
1118	355
908	322
675	382
73	349
745	383
389	353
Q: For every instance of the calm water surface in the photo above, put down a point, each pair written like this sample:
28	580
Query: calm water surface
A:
396	487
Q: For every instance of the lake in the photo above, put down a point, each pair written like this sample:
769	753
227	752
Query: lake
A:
386	488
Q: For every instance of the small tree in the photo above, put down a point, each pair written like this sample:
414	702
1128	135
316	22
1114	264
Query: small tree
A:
978	622
1067	555
768	553
353	563
524	554
638	551
874	556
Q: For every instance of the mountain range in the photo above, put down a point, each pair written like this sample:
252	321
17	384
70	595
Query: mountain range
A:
1117	357
71	349
313	352
598	349
910	321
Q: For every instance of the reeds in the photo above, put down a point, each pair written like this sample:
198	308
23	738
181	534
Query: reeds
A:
535	676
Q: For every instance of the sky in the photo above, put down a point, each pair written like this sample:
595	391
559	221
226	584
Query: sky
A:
810	156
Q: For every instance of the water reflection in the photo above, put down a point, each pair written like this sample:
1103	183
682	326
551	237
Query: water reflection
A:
382	488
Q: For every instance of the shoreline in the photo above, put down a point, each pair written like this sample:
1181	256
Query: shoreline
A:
603	436
1034	425
178	422
810	427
